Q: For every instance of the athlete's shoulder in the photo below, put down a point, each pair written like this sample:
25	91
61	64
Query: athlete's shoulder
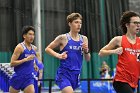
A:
118	38
83	36
19	48
34	47
61	37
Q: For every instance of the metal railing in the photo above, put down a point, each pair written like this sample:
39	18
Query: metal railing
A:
9	71
88	83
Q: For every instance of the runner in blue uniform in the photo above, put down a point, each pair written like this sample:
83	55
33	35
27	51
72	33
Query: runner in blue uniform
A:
23	62
72	48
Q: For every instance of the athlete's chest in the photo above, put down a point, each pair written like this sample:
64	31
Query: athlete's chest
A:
26	53
74	46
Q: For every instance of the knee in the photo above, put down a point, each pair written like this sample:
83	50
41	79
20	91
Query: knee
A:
68	89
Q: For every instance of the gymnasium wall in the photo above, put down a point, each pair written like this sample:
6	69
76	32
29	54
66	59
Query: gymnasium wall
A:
100	24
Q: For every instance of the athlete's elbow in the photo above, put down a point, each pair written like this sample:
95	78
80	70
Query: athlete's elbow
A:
88	58
46	49
100	53
11	64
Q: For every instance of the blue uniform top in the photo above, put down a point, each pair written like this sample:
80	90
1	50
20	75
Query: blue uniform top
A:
26	67
74	54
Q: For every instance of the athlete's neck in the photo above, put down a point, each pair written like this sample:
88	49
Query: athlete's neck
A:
74	35
27	44
131	36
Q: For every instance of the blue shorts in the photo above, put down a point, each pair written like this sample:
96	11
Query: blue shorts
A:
22	81
66	78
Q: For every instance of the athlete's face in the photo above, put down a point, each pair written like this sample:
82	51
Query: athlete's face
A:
75	25
134	25
29	37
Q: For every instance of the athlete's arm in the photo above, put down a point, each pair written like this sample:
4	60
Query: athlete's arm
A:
35	64
17	52
85	48
36	67
40	76
110	48
57	42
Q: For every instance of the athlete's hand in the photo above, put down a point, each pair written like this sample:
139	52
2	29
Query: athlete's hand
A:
30	57
85	47
38	83
118	51
36	67
63	55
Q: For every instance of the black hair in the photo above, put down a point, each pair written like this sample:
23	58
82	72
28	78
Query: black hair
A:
26	29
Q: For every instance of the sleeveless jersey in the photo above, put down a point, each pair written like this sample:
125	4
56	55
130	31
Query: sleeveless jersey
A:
128	62
74	54
26	67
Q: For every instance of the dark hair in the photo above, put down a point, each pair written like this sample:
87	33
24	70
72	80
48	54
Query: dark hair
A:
125	18
73	16
26	29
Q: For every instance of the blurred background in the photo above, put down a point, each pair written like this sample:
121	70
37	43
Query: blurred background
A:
100	24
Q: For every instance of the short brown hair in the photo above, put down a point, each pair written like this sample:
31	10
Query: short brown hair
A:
125	18
73	16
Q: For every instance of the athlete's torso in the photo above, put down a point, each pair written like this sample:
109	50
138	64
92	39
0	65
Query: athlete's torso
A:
128	62
74	54
26	67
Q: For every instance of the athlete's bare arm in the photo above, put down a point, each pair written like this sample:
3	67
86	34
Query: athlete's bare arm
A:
59	41
40	76
113	47
85	48
36	68
17	52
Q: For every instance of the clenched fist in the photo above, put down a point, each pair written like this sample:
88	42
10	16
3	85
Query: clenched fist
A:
85	47
118	51
63	55
30	57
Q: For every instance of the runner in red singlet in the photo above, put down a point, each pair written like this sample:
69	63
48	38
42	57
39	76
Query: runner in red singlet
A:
128	49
